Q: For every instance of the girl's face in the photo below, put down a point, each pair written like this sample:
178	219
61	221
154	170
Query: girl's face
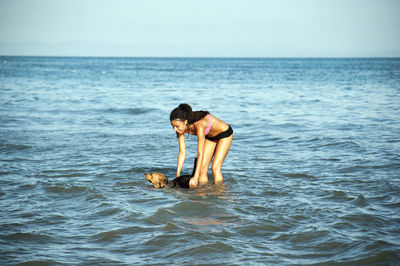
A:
179	126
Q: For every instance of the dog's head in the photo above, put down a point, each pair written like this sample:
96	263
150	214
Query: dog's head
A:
157	179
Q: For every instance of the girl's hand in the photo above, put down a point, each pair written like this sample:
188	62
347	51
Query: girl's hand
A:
194	182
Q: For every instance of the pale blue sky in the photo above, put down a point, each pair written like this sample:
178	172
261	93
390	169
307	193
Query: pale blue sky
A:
215	28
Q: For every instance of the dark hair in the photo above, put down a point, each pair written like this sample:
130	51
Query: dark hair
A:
184	112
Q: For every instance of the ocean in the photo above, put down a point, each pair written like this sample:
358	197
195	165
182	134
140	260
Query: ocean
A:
312	176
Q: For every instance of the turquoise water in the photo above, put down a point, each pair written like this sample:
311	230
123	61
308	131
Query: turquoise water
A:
312	176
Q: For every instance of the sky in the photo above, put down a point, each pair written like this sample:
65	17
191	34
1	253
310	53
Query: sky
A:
201	28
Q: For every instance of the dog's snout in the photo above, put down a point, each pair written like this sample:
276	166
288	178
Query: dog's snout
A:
148	176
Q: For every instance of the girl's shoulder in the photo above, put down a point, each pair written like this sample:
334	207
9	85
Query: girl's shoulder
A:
204	120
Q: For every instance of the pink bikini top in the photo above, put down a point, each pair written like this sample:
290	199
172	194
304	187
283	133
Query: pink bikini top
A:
209	125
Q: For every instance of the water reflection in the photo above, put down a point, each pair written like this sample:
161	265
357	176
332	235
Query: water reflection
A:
220	190
210	208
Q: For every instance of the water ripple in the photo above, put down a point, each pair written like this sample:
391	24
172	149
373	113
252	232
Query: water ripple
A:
311	177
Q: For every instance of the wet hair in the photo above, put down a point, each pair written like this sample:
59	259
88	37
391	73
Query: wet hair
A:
184	112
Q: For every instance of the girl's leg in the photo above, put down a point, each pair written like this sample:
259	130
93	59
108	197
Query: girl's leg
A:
209	149
219	157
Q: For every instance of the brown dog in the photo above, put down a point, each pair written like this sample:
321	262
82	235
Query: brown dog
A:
157	179
160	181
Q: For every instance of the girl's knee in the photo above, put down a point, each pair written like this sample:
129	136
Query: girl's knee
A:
216	170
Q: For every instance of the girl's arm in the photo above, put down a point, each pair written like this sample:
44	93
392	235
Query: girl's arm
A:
194	181
181	155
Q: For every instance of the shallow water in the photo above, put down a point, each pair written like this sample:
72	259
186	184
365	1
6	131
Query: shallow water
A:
312	176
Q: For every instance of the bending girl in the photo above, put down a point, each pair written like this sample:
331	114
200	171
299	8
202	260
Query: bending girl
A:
214	139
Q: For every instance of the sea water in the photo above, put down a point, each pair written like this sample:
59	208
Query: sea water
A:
312	176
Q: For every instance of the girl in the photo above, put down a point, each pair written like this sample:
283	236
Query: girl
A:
214	139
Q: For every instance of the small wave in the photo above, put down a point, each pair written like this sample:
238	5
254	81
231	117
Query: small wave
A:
188	206
107	236
171	226
350	169
45	219
38	262
112	235
363	219
107	212
131	170
346	144
65	190
161	216
331	159
385	257
357	168
299	175
95	195
6	147
161	240
391	201
208	248
309	237
289	125
28	237
338	195
130	111
60	175
360	201
268	228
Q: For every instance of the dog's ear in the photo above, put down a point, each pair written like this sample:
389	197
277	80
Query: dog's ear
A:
152	179
157	179
147	176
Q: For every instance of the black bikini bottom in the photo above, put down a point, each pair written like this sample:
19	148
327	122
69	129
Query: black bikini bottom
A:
221	135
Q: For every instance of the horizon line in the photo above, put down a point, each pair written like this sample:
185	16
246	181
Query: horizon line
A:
211	57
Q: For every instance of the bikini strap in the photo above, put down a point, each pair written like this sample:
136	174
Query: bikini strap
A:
207	130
